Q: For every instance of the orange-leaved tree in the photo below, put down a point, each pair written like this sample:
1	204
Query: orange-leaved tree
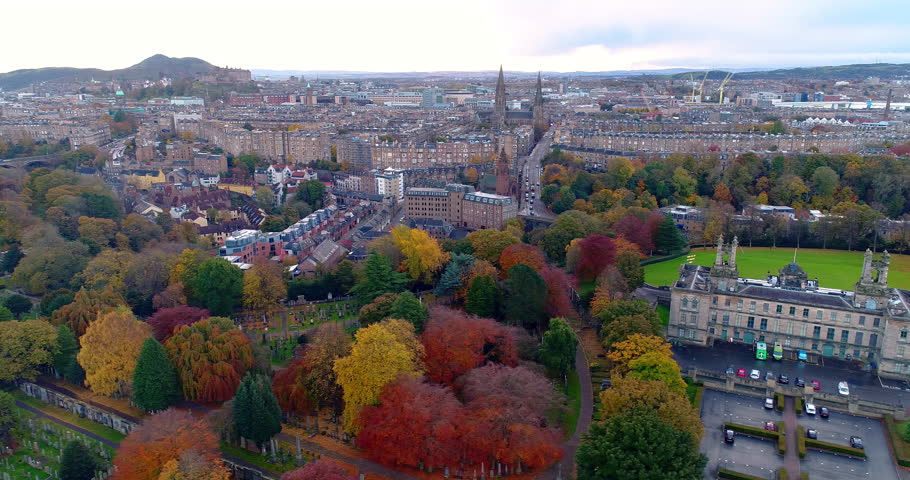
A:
210	356
521	253
84	309
109	350
455	343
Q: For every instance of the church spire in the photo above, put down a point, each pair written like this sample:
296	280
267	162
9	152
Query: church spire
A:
538	97
499	108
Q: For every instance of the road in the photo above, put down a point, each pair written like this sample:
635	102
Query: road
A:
530	173
864	385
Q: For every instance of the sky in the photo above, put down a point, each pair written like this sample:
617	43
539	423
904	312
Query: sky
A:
468	35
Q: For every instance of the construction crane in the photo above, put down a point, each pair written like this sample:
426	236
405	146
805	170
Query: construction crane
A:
701	88
887	107
723	84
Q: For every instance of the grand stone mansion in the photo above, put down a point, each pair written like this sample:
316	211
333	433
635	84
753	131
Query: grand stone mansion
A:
869	324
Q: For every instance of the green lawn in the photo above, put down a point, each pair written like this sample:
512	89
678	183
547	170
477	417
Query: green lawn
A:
71	418
663	312
574	398
256	459
833	268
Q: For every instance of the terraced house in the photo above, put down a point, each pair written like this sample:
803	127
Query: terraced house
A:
869	324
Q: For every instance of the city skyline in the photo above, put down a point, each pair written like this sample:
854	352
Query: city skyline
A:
404	36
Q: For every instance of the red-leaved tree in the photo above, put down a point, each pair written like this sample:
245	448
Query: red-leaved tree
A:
595	253
559	304
636	231
290	389
456	343
415	424
161	438
166	320
321	469
521	253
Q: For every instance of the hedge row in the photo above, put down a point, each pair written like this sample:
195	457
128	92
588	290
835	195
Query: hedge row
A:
801	441
782	474
781	444
754	431
799	406
664	258
803	476
698	396
779	397
835	448
900	447
724	473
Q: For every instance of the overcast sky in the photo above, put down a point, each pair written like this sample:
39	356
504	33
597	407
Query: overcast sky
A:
428	35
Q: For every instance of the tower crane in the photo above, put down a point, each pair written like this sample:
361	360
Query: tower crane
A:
701	88
722	85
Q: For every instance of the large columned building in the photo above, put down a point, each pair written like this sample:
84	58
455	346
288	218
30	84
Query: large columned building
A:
869	324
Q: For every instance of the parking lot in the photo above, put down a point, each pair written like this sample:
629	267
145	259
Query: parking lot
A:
747	455
759	457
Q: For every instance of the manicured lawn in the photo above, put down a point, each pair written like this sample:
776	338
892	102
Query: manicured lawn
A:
833	268
61	414
663	312
574	398
256	459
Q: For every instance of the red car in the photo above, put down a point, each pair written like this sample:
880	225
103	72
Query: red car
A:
816	385
741	372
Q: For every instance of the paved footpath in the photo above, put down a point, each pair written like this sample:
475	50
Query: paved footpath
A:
791	458
566	467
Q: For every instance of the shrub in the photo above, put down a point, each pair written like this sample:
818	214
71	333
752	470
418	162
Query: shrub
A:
780	401
799	406
781	444
782	474
724	473
835	448
753	431
905	431
801	440
900	447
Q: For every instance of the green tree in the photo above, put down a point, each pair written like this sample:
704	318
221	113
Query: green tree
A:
67	348
311	192
453	273
408	307
629	266
481	298
77	462
217	286
377	310
378	278
265	198
567	227
5	314
638	446
825	181
257	416
668	239
657	366
18	304
9	418
26	347
11	259
557	351
622	327
525	297
155	384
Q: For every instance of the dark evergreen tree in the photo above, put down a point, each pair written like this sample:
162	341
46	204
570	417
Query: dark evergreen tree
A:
668	238
525	297
257	416
155	384
68	347
378	278
9	418
481	297
217	286
11	259
18	304
77	462
557	351
409	308
451	276
629	266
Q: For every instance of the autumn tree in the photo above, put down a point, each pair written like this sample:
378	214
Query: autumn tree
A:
140	231
192	465
489	244
97	233
623	327
521	253
482	297
185	269
257	416
629	266
165	321
455	343
87	305
611	287
671	407
408	307
290	389
423	257
322	469
853	223
557	351
636	445
161	438
217	286
327	345
110	347
610	311
210	356
377	358
415	424
264	285
377	310
635	230
26	347
478	268
595	253
567	227
635	346
524	302
452	275
108	268
658	366
77	462
559	303
378	278
155	384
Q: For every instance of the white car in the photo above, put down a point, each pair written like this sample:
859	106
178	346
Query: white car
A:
810	408
769	403
843	388
755	375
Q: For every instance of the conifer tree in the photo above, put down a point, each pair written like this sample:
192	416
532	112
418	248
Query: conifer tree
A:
155	384
77	462
257	416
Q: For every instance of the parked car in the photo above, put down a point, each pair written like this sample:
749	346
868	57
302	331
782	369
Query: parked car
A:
741	372
800	382
730	371
771	426
843	388
856	442
812	433
729	436
755	374
783	379
810	408
769	403
823	412
816	385
605	384
769	376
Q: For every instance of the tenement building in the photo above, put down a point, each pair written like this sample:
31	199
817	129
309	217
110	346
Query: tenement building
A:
869	324
460	206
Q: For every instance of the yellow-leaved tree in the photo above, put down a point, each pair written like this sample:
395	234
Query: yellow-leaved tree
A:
380	354
264	285
109	350
423	256
635	346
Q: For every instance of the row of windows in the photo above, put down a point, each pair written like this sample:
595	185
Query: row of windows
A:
791	310
800	344
762	324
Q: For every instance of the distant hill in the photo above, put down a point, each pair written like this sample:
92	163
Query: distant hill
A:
835	72
151	68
